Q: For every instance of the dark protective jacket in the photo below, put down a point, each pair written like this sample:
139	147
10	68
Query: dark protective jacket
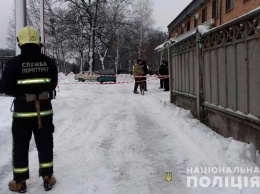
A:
29	73
163	70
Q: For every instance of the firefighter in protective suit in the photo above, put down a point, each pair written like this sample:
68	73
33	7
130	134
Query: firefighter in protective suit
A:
31	78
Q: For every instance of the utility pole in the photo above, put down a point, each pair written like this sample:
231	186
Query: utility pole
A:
42	23
20	19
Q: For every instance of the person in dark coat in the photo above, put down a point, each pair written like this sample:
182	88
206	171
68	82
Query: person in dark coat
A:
166	80
161	78
165	75
31	78
145	70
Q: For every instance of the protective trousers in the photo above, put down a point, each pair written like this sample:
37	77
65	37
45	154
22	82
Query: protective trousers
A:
166	84
22	129
161	82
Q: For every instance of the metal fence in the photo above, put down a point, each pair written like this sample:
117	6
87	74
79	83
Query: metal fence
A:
232	66
216	75
184	75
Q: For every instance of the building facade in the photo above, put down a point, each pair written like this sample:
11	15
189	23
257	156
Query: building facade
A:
209	12
214	72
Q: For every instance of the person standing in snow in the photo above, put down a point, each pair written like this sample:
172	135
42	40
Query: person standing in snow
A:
161	78
145	72
165	75
31	78
138	72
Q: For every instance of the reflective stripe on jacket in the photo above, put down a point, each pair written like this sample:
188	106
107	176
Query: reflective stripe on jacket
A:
33	81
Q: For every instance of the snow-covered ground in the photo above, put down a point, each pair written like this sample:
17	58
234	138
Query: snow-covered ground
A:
110	141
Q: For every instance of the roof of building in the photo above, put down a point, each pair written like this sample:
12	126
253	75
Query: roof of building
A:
187	12
201	28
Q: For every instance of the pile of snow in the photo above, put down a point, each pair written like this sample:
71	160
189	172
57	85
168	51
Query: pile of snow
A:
203	28
63	78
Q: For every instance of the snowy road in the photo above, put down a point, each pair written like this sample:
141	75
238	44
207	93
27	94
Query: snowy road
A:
110	141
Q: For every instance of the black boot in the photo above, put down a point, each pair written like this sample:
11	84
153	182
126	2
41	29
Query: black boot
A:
48	182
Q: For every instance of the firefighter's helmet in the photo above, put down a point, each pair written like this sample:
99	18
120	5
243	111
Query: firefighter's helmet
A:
28	35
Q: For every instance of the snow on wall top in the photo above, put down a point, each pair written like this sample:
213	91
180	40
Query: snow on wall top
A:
201	28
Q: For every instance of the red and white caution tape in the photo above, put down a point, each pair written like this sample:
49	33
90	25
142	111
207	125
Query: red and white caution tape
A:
95	82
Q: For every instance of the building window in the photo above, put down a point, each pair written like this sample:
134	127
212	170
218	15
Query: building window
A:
215	9
188	25
204	15
195	22
177	33
182	29
229	4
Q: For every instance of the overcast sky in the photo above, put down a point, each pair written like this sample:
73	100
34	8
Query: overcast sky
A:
164	12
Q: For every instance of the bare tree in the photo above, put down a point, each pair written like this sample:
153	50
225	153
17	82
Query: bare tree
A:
11	34
55	40
88	17
142	22
112	20
97	32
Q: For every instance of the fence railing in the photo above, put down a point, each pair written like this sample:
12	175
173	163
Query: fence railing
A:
216	75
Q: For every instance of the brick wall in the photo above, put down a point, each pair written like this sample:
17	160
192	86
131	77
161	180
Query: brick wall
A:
240	7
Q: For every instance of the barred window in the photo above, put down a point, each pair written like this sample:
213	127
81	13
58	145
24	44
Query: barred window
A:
188	25
229	4
204	15
215	9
